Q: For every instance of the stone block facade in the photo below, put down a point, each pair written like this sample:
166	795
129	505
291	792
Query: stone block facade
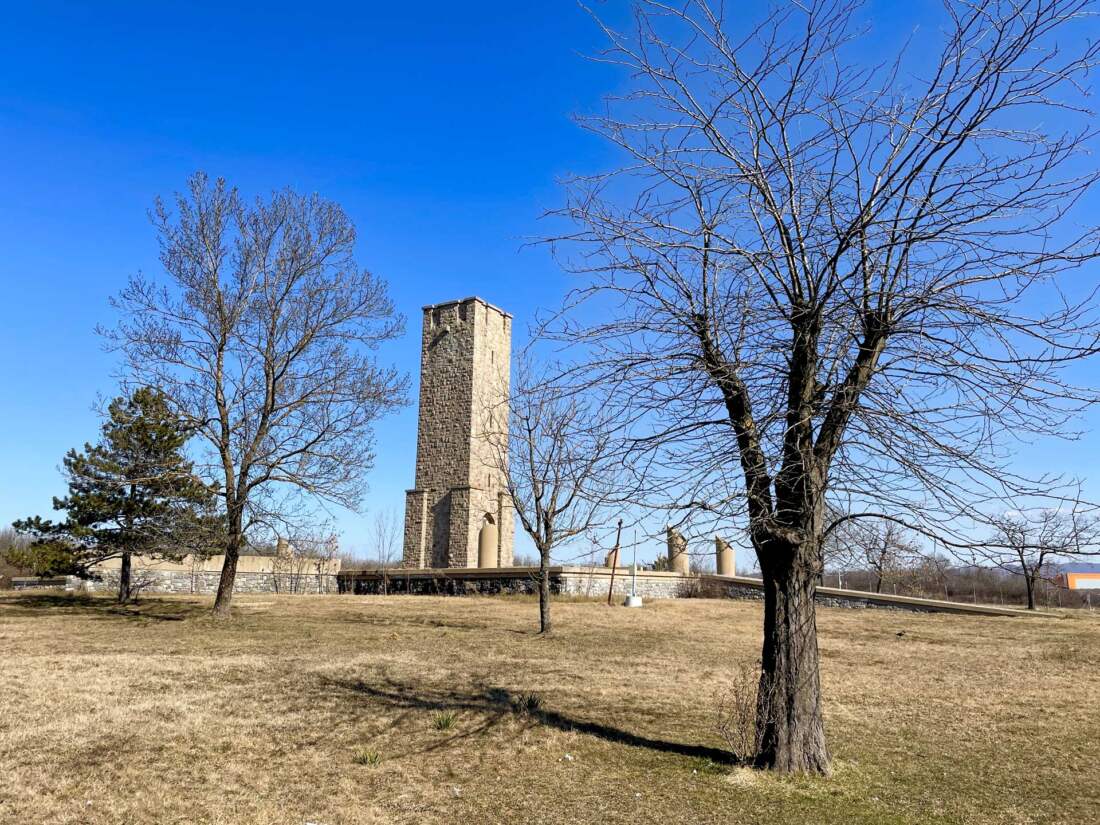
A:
282	573
650	584
462	433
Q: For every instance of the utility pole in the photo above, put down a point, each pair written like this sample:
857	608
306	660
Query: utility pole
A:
615	562
634	600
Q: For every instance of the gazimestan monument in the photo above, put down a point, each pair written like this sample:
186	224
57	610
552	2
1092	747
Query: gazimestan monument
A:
459	521
459	513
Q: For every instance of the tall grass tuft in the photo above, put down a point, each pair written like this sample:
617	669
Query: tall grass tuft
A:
366	757
444	720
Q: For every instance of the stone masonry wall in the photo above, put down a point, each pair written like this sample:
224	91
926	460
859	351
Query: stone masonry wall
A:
202	582
649	586
417	526
492	354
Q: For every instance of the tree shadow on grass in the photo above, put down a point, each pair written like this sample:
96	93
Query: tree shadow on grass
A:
404	621
31	605
497	704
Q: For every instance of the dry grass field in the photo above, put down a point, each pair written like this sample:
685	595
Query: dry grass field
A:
411	710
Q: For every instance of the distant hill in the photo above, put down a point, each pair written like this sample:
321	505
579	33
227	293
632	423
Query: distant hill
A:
1078	567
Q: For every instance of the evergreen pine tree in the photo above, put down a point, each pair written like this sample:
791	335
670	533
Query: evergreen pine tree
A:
133	493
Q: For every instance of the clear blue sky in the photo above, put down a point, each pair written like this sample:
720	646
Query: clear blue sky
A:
440	127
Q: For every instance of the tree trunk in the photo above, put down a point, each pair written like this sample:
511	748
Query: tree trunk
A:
234	541
124	576
790	730
228	576
1029	584
878	583
225	583
544	592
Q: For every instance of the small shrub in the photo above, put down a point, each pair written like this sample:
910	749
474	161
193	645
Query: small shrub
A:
735	707
365	757
445	720
529	703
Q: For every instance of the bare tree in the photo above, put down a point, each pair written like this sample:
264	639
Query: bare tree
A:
261	337
881	547
386	537
307	554
555	453
319	552
1027	544
815	281
930	572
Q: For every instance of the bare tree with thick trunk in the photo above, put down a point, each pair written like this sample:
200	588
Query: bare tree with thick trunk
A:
814	282
261	337
555	454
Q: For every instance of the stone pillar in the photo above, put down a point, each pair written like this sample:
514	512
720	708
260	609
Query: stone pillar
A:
505	530
725	557
612	558
678	559
461	548
415	545
487	545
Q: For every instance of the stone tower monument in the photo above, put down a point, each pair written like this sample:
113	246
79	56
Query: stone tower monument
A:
460	503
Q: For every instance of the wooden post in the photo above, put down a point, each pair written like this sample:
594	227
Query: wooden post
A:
615	555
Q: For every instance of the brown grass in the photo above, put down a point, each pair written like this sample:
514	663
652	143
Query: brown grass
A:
324	710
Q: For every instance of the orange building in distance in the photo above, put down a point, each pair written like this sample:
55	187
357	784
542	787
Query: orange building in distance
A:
1079	581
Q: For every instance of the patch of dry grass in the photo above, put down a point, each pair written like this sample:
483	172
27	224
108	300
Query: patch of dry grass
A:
325	710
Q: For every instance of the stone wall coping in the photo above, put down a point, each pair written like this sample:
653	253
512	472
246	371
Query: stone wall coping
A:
506	572
456	487
428	307
605	572
246	563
